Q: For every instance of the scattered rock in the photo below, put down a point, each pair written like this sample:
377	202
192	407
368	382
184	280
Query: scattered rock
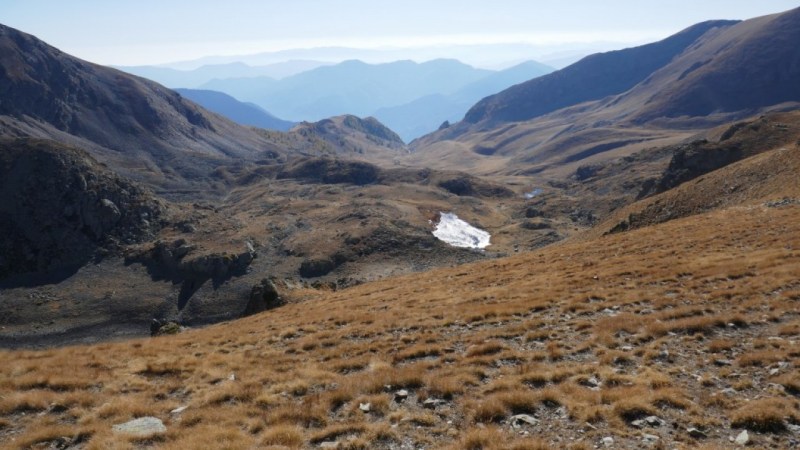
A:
523	419
743	438
607	441
591	382
654	421
263	296
162	328
401	396
179	410
365	407
141	427
723	362
695	433
432	403
650	438
232	377
329	444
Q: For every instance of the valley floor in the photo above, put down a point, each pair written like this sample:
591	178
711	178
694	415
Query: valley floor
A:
680	335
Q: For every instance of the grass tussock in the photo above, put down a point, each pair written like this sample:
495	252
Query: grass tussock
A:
766	415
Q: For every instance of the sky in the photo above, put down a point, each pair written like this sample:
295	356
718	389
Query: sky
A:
123	32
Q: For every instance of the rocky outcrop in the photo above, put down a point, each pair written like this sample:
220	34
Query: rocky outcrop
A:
331	171
59	208
263	296
739	141
178	261
466	185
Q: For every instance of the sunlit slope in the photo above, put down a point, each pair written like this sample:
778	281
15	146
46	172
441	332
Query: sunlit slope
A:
693	321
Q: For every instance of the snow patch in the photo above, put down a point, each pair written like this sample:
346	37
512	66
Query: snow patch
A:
458	233
533	193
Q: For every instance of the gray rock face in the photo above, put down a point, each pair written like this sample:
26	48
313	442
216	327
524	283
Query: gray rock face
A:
60	209
141	427
263	296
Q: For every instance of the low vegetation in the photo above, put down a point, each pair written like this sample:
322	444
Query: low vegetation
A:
680	335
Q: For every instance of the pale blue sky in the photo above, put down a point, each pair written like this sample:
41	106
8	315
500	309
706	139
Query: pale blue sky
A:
159	31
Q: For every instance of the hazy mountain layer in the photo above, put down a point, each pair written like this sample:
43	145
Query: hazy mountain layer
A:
239	112
424	115
351	87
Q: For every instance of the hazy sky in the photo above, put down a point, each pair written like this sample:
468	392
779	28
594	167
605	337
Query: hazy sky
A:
157	31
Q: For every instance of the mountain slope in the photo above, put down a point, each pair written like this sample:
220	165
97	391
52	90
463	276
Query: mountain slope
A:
746	67
591	78
730	72
693	322
139	127
239	112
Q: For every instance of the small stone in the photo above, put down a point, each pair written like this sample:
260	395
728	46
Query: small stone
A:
774	372
654	421
432	403
141	427
650	438
639	423
723	362
329	444
626	348
179	410
520	419
592	382
743	438
608	441
695	433
232	377
365	407
401	395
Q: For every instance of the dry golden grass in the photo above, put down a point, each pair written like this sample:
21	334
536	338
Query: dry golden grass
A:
586	337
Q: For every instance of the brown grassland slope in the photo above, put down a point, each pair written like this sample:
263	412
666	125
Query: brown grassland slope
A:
694	321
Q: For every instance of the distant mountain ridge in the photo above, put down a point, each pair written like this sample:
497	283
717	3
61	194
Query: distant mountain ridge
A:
411	98
239	112
426	114
350	87
174	78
